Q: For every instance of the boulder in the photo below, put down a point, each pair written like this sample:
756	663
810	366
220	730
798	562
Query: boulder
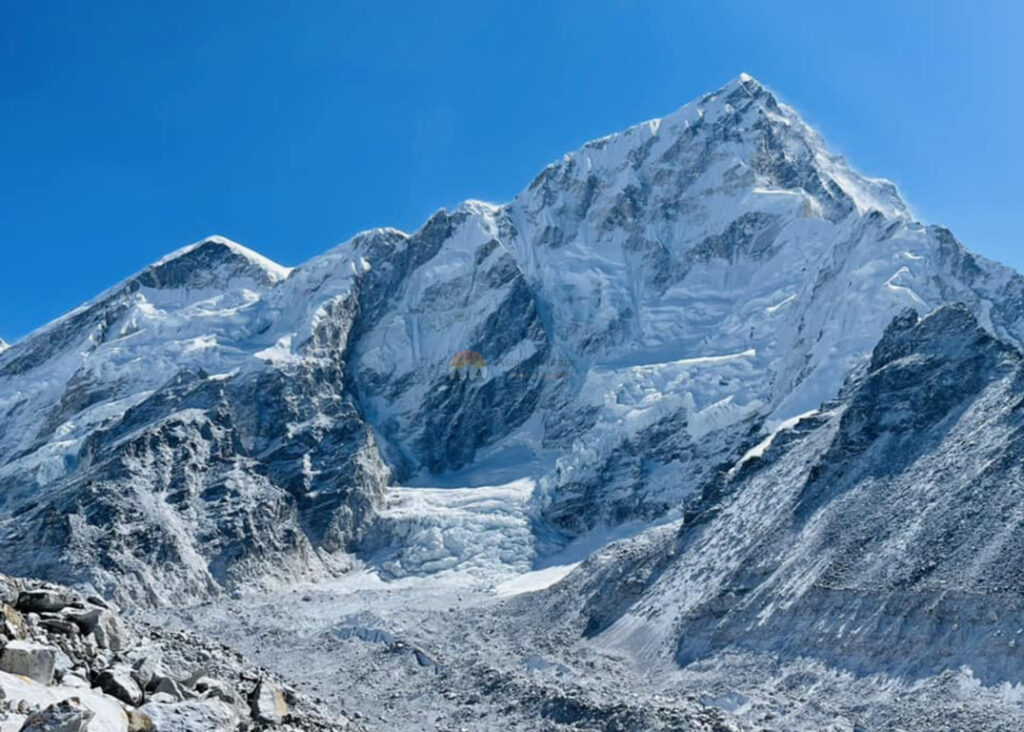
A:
85	618
110	632
170	687
98	602
45	600
68	715
216	689
267	703
189	716
105	626
8	590
118	683
56	624
143	671
32	660
11	623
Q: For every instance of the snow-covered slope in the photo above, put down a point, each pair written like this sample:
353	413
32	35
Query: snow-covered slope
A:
649	309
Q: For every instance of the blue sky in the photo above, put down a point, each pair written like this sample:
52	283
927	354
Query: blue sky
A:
128	129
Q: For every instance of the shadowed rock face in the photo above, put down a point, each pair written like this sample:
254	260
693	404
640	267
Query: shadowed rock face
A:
201	487
420	312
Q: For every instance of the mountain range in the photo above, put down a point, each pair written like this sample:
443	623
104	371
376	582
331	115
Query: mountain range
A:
797	409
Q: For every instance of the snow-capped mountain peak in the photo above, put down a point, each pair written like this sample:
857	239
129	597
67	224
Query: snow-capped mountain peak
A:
650	307
208	254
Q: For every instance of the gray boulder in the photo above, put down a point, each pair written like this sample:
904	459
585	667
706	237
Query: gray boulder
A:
32	660
191	715
170	687
105	626
57	624
143	671
8	590
118	683
45	600
68	715
267	703
110	632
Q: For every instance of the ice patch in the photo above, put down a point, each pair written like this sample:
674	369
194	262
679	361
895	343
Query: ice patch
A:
773	308
485	531
758	450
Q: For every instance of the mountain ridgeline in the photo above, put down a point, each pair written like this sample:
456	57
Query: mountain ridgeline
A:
650	308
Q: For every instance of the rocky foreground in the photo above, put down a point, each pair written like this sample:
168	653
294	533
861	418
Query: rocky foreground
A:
70	663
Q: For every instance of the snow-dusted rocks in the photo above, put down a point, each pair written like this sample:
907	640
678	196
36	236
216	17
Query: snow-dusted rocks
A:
877	536
151	682
158	409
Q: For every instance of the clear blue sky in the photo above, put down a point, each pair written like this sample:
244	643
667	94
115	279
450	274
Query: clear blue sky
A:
128	129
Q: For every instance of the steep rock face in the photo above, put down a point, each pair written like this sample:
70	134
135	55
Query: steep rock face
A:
661	292
164	442
882	534
451	287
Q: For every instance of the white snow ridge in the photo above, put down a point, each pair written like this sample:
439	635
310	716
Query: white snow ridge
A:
702	430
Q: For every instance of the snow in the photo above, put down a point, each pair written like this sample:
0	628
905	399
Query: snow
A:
758	450
14	689
533	581
779	305
279	353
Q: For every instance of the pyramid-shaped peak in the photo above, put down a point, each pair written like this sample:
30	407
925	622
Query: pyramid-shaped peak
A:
197	261
746	81
743	85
